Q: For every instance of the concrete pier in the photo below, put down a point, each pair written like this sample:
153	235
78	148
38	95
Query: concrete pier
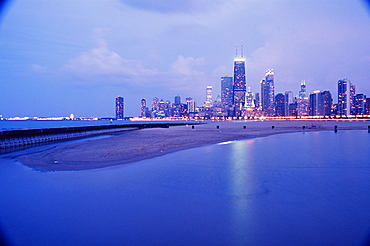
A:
10	139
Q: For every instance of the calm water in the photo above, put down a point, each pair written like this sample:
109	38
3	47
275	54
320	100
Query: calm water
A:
291	189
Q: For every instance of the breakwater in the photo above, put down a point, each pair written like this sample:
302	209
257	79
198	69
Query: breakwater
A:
17	139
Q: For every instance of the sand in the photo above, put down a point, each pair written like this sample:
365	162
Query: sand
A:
135	145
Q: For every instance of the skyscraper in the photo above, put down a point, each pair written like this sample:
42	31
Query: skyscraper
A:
209	99
343	97
155	107
227	92
289	99
360	104
119	108
302	92
303	101
268	93
325	103
190	105
257	102
320	103
352	99
280	104
144	108
249	102
239	85
177	100
314	103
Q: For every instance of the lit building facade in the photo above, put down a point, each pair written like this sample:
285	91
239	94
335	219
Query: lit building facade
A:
227	91
280	104
352	99
343	97
257	101
325	103
268	93
120	108
360	104
239	84
209	97
302	92
321	103
289	99
144	108
249	99
191	105
314	103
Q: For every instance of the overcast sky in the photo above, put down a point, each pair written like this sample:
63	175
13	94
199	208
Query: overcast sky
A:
75	56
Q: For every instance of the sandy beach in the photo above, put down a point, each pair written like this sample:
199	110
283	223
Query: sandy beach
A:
135	145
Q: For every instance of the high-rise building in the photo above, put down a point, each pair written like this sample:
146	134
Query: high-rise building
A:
249	102
343	97
302	107
302	101
177	100
209	99
289	99
268	93
155	107
352	99
167	109
302	92
227	91
144	108
190	105
293	109
314	103
360	104
280	104
257	101
320	103
119	108
217	107
239	84
367	110
325	103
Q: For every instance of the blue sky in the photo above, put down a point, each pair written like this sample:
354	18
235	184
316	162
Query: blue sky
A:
75	56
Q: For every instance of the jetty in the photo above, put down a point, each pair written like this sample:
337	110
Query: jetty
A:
17	139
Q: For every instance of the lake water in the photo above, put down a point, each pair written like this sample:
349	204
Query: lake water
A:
291	189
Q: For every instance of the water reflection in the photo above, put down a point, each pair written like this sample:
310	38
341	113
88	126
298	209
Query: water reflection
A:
242	187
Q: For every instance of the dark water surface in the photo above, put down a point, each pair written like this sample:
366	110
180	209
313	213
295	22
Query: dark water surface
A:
291	189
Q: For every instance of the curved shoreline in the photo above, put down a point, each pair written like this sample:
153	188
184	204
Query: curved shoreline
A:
143	144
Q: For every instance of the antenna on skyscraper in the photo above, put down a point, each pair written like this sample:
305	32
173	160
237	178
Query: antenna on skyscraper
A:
242	47
236	50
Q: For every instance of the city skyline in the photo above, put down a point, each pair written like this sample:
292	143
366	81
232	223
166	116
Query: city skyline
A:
346	102
76	61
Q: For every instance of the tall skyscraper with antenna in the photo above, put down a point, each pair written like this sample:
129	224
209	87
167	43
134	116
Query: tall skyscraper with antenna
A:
302	92
239	84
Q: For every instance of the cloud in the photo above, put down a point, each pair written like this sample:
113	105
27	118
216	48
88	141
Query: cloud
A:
103	61
165	6
186	66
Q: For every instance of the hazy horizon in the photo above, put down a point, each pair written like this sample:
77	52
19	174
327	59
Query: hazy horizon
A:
63	57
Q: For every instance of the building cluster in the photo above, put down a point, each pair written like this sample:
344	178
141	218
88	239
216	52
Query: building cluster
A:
237	102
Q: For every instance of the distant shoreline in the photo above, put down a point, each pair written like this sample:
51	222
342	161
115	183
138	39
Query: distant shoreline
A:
136	145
